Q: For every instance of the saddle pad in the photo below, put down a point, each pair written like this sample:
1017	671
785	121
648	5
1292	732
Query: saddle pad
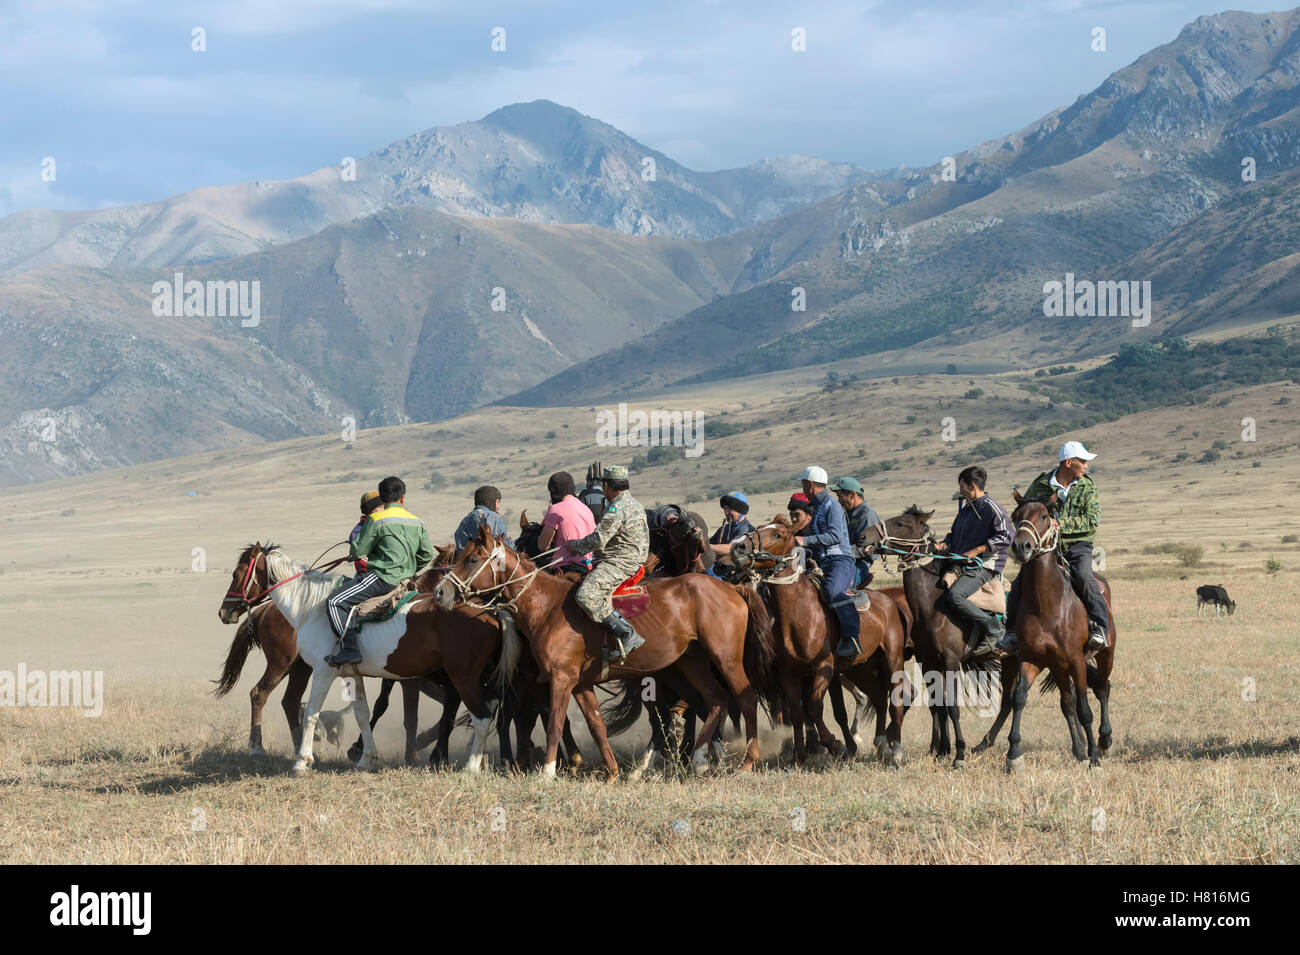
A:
630	585
631	601
385	606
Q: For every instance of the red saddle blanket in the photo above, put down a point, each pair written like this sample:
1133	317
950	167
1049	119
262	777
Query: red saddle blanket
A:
631	597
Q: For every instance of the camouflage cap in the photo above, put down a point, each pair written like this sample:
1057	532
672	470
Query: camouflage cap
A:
615	472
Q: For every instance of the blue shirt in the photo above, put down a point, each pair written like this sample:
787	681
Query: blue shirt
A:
468	529
827	534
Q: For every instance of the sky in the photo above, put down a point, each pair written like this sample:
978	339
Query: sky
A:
115	93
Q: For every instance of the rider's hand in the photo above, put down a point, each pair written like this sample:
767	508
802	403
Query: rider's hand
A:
941	546
362	563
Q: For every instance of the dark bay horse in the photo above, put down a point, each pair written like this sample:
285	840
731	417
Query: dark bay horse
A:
419	639
805	636
728	624
1052	631
939	638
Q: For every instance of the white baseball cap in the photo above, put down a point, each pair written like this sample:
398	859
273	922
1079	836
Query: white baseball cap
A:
816	475
1075	449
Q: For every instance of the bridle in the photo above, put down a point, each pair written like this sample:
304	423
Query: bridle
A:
1042	543
465	589
920	550
779	562
258	553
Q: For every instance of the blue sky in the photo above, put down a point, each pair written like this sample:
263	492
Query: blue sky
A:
112	90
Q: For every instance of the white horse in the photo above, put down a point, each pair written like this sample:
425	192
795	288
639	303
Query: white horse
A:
302	599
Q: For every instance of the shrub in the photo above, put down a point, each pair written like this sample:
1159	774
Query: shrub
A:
1272	565
1289	538
1190	555
435	482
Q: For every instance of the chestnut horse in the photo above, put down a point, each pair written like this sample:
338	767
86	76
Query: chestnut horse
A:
940	640
806	633
730	625
1052	631
420	638
264	627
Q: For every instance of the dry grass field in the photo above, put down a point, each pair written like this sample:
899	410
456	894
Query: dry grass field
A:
98	575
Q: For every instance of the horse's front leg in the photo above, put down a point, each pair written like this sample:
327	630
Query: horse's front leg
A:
1010	672
411	718
321	681
361	713
561	689
1015	761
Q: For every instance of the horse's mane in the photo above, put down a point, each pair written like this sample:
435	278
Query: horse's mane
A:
914	511
248	550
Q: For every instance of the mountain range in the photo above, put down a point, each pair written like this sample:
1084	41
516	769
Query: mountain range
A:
529	258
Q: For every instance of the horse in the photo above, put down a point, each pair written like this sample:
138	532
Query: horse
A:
264	627
806	634
420	638
729	624
1052	630
939	638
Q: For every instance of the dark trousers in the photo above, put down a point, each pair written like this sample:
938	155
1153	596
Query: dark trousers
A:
839	578
972	579
342	601
1079	556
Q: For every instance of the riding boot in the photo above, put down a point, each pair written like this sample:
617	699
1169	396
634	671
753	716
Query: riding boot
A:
624	637
1008	643
986	644
1096	636
348	653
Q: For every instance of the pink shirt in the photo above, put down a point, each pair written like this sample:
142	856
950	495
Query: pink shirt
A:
572	521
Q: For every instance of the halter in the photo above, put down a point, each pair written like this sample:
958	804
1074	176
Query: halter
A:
920	552
242	593
1043	543
779	561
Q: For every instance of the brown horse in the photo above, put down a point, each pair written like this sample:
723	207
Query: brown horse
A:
1052	631
806	634
264	627
940	640
419	639
728	624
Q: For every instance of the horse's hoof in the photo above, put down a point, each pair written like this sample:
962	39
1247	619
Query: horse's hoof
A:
256	751
354	753
959	764
634	776
857	738
700	764
1094	763
367	765
896	758
1016	765
299	769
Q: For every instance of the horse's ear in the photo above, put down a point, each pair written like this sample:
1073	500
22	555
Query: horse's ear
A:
926	515
781	519
523	520
485	535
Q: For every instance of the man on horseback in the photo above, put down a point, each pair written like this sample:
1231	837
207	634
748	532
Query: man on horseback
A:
1070	493
487	510
593	495
826	539
393	544
566	519
981	532
859	516
620	544
370	502
735	523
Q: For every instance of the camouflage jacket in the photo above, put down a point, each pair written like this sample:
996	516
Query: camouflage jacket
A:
622	534
1079	515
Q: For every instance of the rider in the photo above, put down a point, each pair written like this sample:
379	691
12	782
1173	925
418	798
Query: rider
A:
859	516
370	501
593	495
393	544
566	519
1069	492
487	510
668	541
735	523
801	511
827	541
981	532
621	543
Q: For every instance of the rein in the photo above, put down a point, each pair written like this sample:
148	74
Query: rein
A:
464	590
242	593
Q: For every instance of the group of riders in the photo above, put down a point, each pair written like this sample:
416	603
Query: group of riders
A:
606	535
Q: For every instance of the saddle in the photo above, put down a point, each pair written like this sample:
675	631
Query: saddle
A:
631	597
385	606
991	597
861	598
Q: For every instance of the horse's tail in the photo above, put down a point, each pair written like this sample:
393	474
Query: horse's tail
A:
1049	681
623	709
245	640
512	647
760	644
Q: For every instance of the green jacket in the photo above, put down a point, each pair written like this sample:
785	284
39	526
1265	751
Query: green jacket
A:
1080	515
395	541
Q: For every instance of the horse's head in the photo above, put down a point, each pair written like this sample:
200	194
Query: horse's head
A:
775	539
529	532
483	568
249	580
908	532
1035	530
442	559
